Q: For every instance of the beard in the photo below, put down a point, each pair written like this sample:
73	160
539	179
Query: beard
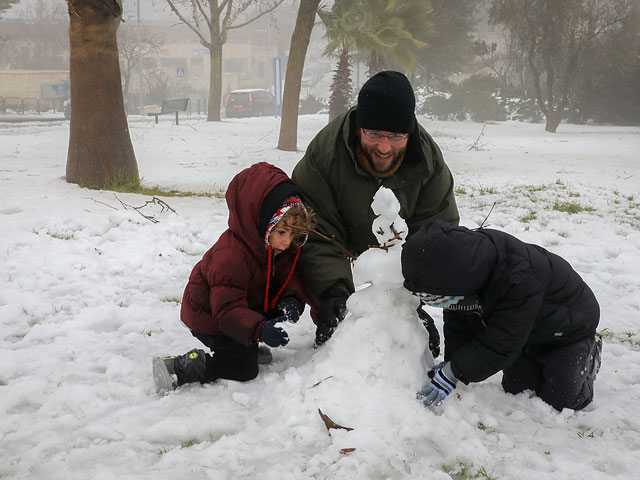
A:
382	164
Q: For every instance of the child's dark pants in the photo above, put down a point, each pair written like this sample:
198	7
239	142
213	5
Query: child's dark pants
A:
561	376
230	360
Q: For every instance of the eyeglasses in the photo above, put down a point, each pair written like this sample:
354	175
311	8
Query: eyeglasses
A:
394	138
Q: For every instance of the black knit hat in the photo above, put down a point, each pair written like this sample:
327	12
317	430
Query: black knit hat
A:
386	102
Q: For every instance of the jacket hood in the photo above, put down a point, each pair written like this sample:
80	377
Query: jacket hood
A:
444	259
252	198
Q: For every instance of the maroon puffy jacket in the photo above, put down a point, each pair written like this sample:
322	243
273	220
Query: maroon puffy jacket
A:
226	290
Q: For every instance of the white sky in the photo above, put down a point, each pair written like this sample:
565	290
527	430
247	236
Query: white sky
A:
87	294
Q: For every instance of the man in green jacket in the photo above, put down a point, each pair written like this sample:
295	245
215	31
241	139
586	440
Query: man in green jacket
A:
377	143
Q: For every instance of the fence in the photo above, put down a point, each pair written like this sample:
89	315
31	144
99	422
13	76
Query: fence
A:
27	105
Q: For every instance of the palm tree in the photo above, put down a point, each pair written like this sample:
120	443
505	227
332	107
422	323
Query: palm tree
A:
390	33
346	31
401	29
100	149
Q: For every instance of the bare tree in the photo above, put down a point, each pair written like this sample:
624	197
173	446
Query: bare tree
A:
500	62
211	20
150	44
553	36
291	98
100	150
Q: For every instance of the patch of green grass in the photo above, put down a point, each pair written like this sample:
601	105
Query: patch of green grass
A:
570	207
487	190
484	428
528	218
482	473
461	471
587	432
460	191
188	444
574	194
61	236
536	188
177	300
606	333
121	184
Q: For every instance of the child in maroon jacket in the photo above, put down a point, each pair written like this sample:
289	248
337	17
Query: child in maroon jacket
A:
245	285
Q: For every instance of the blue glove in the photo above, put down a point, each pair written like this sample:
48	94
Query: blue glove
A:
272	335
443	382
290	310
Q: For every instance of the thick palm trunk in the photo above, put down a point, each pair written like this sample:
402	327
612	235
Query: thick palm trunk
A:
291	97
100	149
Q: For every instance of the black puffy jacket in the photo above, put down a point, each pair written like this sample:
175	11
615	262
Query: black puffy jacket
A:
529	298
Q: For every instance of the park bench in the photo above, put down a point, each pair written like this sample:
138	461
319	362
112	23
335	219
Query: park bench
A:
173	105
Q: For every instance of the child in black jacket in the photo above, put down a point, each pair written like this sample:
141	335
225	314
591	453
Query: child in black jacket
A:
508	306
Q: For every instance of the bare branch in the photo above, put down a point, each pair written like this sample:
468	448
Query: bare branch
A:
487	217
276	5
476	145
203	40
316	384
154	200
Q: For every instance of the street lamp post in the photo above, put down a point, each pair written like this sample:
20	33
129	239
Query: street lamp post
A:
139	66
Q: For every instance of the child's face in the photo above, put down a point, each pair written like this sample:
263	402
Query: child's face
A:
280	237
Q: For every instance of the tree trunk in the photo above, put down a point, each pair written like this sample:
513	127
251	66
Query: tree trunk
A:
215	80
100	150
553	120
291	97
341	86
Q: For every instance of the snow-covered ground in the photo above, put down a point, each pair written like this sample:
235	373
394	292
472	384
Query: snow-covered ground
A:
90	291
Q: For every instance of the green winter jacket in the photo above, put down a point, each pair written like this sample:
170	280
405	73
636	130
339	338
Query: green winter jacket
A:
340	192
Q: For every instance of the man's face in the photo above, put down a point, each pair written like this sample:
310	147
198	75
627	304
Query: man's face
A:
382	148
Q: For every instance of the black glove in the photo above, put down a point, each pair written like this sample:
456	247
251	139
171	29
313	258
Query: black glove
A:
434	335
333	308
289	310
272	335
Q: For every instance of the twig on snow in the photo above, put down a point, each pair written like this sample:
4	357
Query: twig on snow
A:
154	201
477	145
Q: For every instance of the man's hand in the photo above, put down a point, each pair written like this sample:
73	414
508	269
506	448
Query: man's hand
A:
432	330
290	310
333	308
443	382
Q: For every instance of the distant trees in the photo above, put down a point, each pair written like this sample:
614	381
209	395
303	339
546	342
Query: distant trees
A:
554	37
608	88
385	34
211	20
449	39
130	54
7	4
38	39
293	78
100	150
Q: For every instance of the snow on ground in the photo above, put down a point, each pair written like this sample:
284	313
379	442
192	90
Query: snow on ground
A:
90	291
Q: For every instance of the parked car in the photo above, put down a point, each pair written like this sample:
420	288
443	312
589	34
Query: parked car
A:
249	102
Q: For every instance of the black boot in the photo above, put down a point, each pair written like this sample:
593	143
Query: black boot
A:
191	367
